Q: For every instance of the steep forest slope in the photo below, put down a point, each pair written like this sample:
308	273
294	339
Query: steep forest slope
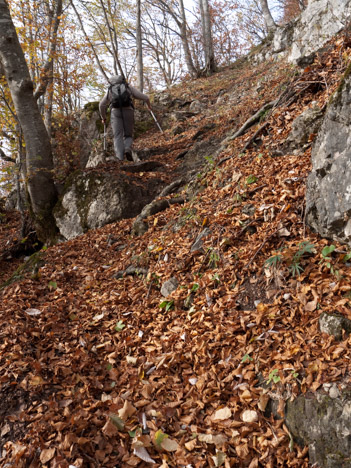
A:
182	346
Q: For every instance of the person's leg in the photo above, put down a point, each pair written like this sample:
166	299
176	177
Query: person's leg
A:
128	115
118	132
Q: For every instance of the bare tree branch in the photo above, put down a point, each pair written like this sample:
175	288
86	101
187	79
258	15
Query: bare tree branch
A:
89	41
6	158
46	74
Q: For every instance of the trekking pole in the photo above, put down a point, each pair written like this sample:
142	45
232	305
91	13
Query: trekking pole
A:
153	115
104	136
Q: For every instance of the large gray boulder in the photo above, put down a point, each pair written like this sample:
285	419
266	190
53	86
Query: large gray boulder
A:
92	199
328	198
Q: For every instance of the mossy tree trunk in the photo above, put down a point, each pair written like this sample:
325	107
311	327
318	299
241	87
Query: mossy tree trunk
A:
39	163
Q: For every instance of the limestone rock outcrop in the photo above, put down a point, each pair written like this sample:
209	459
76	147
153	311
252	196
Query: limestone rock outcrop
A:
323	422
303	37
91	200
319	22
328	197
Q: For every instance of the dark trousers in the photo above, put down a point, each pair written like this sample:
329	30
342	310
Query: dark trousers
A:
122	129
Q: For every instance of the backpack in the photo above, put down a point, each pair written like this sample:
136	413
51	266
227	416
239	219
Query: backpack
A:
120	95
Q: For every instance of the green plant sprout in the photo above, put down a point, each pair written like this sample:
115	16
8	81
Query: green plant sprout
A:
327	259
214	258
274	260
273	377
292	261
304	248
167	305
119	326
245	358
251	179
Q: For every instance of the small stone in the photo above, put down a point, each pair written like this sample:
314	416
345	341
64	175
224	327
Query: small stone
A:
196	106
249	416
197	245
326	387
140	227
331	324
334	392
169	286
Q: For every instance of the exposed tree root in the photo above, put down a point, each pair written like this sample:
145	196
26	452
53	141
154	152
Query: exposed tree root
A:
252	120
140	226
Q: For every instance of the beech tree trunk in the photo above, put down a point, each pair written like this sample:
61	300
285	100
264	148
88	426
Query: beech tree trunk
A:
39	163
268	18
210	64
140	66
184	38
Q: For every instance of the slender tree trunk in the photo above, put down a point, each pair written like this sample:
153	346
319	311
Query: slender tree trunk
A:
48	105
20	171
180	19
140	66
47	71
184	38
39	164
268	18
210	64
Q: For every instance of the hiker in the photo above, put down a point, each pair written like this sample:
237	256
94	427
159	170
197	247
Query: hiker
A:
122	114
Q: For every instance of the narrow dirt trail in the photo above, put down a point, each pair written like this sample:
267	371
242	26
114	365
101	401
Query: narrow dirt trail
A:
100	369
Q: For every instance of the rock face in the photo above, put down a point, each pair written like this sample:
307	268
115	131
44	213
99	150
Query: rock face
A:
300	39
90	129
91	200
323	422
328	198
319	22
303	126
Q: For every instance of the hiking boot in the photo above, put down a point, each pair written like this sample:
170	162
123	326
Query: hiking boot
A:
111	159
135	157
128	155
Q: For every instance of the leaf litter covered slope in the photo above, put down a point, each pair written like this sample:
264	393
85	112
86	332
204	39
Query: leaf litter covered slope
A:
95	373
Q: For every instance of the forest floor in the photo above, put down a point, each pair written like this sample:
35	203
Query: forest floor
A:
98	369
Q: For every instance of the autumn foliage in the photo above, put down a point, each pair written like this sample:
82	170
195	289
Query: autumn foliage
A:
99	369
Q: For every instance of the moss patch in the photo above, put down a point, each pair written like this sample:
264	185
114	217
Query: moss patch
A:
335	98
32	266
89	110
91	107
